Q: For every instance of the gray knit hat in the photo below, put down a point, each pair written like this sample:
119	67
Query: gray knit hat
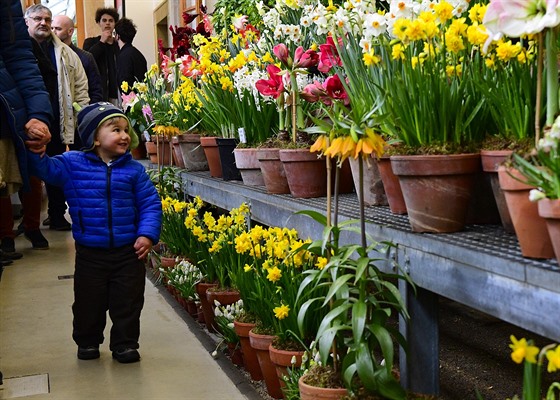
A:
93	115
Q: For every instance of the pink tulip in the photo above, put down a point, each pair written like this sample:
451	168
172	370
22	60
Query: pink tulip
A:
273	86
281	51
313	92
305	59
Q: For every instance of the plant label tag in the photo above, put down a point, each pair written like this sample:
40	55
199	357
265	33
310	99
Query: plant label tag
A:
147	136
242	137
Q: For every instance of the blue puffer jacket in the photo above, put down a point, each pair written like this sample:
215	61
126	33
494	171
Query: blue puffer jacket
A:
110	206
22	92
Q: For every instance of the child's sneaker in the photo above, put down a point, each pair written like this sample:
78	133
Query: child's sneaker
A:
126	356
88	352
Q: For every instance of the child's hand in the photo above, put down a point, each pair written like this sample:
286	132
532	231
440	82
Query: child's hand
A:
142	246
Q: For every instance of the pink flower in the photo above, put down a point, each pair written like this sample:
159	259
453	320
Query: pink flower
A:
281	51
305	59
147	112
128	99
240	22
328	57
516	18
273	86
313	92
335	89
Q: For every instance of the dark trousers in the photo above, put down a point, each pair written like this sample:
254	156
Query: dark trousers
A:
31	205
113	280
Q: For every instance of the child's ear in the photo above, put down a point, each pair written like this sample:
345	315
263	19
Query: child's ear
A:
96	142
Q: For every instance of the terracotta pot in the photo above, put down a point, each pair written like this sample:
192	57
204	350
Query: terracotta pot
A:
437	189
392	186
200	314
177	156
530	229
207	308
261	343
550	211
306	174
272	170
226	146
151	149
192	308
164	155
282	359
374	192
346	183
191	152
235	353
210	147
308	392
250	360
491	160
248	164
140	152
167	262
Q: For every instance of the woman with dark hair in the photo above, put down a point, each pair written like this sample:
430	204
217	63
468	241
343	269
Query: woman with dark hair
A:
105	49
25	112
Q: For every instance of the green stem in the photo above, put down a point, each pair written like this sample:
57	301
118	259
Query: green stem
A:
295	106
552	76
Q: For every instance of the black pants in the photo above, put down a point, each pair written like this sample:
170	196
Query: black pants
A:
108	279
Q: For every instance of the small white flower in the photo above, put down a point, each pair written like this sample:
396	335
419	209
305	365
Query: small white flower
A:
536	195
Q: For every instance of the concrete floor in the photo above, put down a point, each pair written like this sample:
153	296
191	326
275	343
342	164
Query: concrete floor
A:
36	344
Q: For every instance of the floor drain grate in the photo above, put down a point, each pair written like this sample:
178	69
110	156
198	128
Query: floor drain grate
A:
21	386
63	277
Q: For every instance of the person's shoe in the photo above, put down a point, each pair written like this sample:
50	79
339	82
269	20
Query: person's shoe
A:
9	249
4	261
126	356
46	221
59	225
37	239
88	352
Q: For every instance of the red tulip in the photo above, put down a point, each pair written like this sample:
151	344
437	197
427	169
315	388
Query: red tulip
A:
328	57
335	89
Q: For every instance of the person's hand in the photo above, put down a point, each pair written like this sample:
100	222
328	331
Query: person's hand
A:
107	36
143	246
39	135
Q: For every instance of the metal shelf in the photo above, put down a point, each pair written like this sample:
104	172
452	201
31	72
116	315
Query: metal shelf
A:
481	267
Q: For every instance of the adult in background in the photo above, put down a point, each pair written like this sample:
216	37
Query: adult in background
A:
105	49
25	113
63	27
71	86
131	63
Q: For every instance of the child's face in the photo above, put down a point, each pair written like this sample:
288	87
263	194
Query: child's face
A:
112	139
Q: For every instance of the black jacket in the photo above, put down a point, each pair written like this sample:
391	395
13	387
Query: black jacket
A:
131	65
106	58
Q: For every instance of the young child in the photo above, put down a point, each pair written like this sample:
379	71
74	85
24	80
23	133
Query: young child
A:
116	217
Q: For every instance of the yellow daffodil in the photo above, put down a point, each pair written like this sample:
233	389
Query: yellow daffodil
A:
281	312
522	350
553	357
